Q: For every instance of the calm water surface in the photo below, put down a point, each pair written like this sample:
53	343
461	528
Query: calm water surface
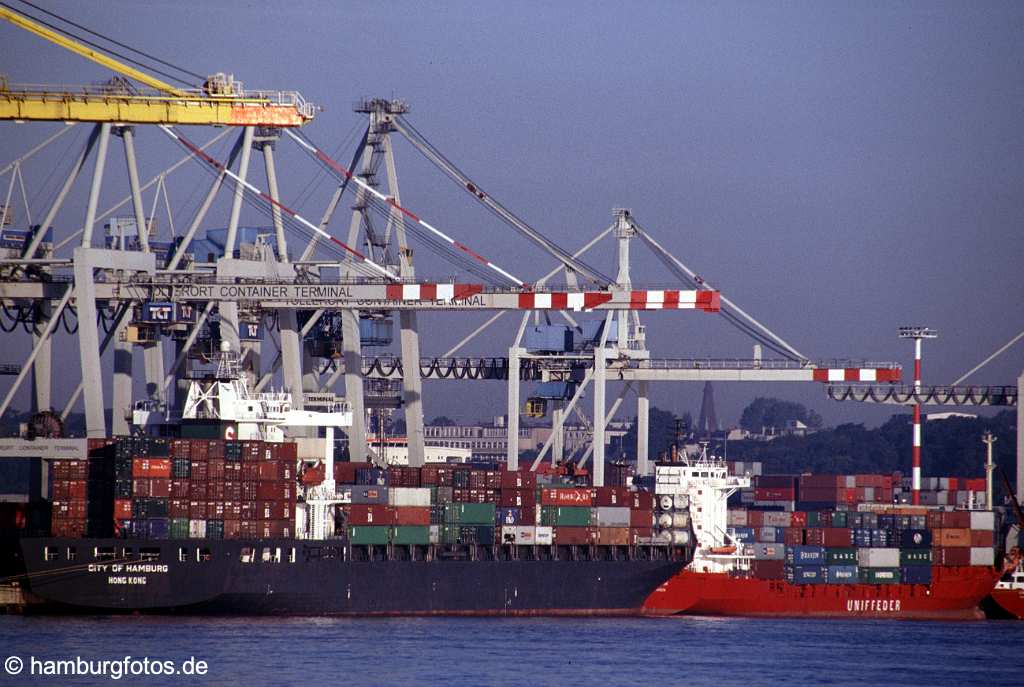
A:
528	652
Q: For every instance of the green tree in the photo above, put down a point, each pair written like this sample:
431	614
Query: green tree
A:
774	412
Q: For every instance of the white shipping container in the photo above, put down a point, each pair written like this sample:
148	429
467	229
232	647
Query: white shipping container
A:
435	534
850	482
526	534
942	498
983	520
983	555
197	529
878	558
869	493
776	518
612	516
769	552
736	517
680	520
409	496
545	536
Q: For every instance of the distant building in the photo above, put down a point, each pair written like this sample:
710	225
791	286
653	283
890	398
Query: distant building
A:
947	416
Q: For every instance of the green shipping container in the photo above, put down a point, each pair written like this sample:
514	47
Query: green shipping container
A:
410	534
179	528
565	516
368	534
843	556
813	519
915	557
469	514
880	575
839	519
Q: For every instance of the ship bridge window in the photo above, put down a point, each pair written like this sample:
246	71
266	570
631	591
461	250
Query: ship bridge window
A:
51	553
248	554
104	553
271	555
72	553
150	553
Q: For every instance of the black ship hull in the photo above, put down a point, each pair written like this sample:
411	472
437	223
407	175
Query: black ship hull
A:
302	577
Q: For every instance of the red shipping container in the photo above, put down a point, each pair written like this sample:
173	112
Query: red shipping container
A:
611	496
215	469
178	508
288	451
199	471
215	491
412	515
950	537
181	448
274	528
518	480
814	536
277	510
428	475
160	488
151	467
518	498
232	510
274	491
775	481
984	538
838	536
822	481
769	569
643	500
565	497
798	519
232	491
755	518
180	489
275	471
956	519
934	519
232	471
60	490
197	510
215	510
774	494
641	518
953	556
72	509
141	487
198	490
215	449
371	514
123	509
527	515
249	490
251	472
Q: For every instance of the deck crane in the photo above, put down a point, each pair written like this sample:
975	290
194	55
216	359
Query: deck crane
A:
221	101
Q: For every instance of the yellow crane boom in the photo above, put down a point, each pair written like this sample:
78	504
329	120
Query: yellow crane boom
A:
221	102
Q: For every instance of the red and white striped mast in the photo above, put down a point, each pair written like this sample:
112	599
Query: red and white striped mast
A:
917	334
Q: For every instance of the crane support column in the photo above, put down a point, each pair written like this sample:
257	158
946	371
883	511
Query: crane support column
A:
643	412
42	383
558	430
600	378
352	357
512	425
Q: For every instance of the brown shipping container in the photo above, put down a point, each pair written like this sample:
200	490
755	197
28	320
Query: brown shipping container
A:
371	514
180	489
838	536
235	529
613	536
567	536
528	515
160	487
197	490
275	528
288	451
199	471
197	510
954	536
215	469
141	487
412	515
151	467
181	448
642	500
793	536
611	496
952	556
275	471
232	471
232	510
769	569
178	508
215	510
250	510
982	538
641	518
215	492
814	536
638	532
249	490
251	472
232	490
518	480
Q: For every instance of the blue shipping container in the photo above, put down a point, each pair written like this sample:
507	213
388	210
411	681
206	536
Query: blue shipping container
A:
842	574
744	534
915	539
805	555
916	574
806	574
508	516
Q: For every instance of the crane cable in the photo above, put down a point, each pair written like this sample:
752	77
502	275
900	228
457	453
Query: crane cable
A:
220	167
348	175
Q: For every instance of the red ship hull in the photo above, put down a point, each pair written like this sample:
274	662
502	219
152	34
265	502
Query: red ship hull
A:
954	594
1011	601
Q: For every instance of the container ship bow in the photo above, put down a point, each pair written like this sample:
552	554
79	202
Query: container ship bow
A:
879	562
247	525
